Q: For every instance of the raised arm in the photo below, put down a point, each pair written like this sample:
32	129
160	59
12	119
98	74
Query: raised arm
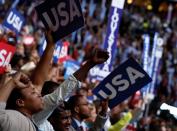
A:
40	74
7	87
97	56
68	86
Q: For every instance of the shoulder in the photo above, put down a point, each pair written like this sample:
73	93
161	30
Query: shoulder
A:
12	119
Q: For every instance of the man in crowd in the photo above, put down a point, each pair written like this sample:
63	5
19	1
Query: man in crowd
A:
80	111
61	118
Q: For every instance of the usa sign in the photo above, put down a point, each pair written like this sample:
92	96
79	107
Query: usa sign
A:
6	53
14	21
62	17
122	82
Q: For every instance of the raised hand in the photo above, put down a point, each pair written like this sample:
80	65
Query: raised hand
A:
21	80
18	81
99	56
49	37
104	107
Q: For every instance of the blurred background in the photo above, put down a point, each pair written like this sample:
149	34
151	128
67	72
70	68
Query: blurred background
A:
141	18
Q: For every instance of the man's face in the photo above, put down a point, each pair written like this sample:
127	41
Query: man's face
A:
83	106
64	122
32	99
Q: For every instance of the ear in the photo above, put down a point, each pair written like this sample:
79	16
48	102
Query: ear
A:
76	109
20	102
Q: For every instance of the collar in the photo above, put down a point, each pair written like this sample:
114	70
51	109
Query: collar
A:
78	123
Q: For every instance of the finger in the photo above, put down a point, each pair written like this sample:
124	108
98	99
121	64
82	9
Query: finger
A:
21	85
17	76
24	79
102	60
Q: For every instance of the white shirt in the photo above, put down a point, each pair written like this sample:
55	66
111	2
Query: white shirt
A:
79	124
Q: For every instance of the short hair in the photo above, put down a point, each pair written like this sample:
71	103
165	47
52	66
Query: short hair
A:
73	101
60	109
78	91
15	95
49	87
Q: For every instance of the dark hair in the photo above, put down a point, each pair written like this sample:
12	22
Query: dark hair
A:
11	102
73	101
56	115
78	91
60	109
49	87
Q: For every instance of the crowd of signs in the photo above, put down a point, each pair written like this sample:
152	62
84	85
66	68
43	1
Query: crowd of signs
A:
64	17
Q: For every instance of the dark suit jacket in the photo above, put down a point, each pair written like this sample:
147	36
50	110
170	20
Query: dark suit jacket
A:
97	125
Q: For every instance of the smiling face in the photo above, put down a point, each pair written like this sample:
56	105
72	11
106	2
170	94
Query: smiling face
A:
64	121
61	120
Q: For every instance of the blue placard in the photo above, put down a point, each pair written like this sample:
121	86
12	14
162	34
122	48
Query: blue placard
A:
62	17
57	50
145	58
111	36
2	2
14	21
122	82
71	66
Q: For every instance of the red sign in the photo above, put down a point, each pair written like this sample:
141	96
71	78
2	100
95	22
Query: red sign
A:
64	52
6	53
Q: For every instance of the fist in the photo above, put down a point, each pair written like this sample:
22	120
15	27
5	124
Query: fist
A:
99	56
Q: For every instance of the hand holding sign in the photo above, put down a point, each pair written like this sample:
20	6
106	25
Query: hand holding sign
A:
122	82
49	38
98	56
104	107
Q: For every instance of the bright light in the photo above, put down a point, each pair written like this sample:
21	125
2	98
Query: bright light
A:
149	7
129	1
172	109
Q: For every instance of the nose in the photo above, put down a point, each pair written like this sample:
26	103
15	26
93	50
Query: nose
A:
68	121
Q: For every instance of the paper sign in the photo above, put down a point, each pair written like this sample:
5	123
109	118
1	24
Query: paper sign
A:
63	55
71	66
6	53
62	17
122	82
14	21
60	53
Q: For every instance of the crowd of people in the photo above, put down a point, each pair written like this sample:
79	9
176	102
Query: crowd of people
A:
35	96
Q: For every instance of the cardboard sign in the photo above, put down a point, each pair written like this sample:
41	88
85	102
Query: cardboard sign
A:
62	17
145	58
63	55
14	21
2	2
122	82
71	66
60	53
6	53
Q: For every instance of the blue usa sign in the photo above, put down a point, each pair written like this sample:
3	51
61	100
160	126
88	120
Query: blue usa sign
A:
122	82
62	17
14	21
